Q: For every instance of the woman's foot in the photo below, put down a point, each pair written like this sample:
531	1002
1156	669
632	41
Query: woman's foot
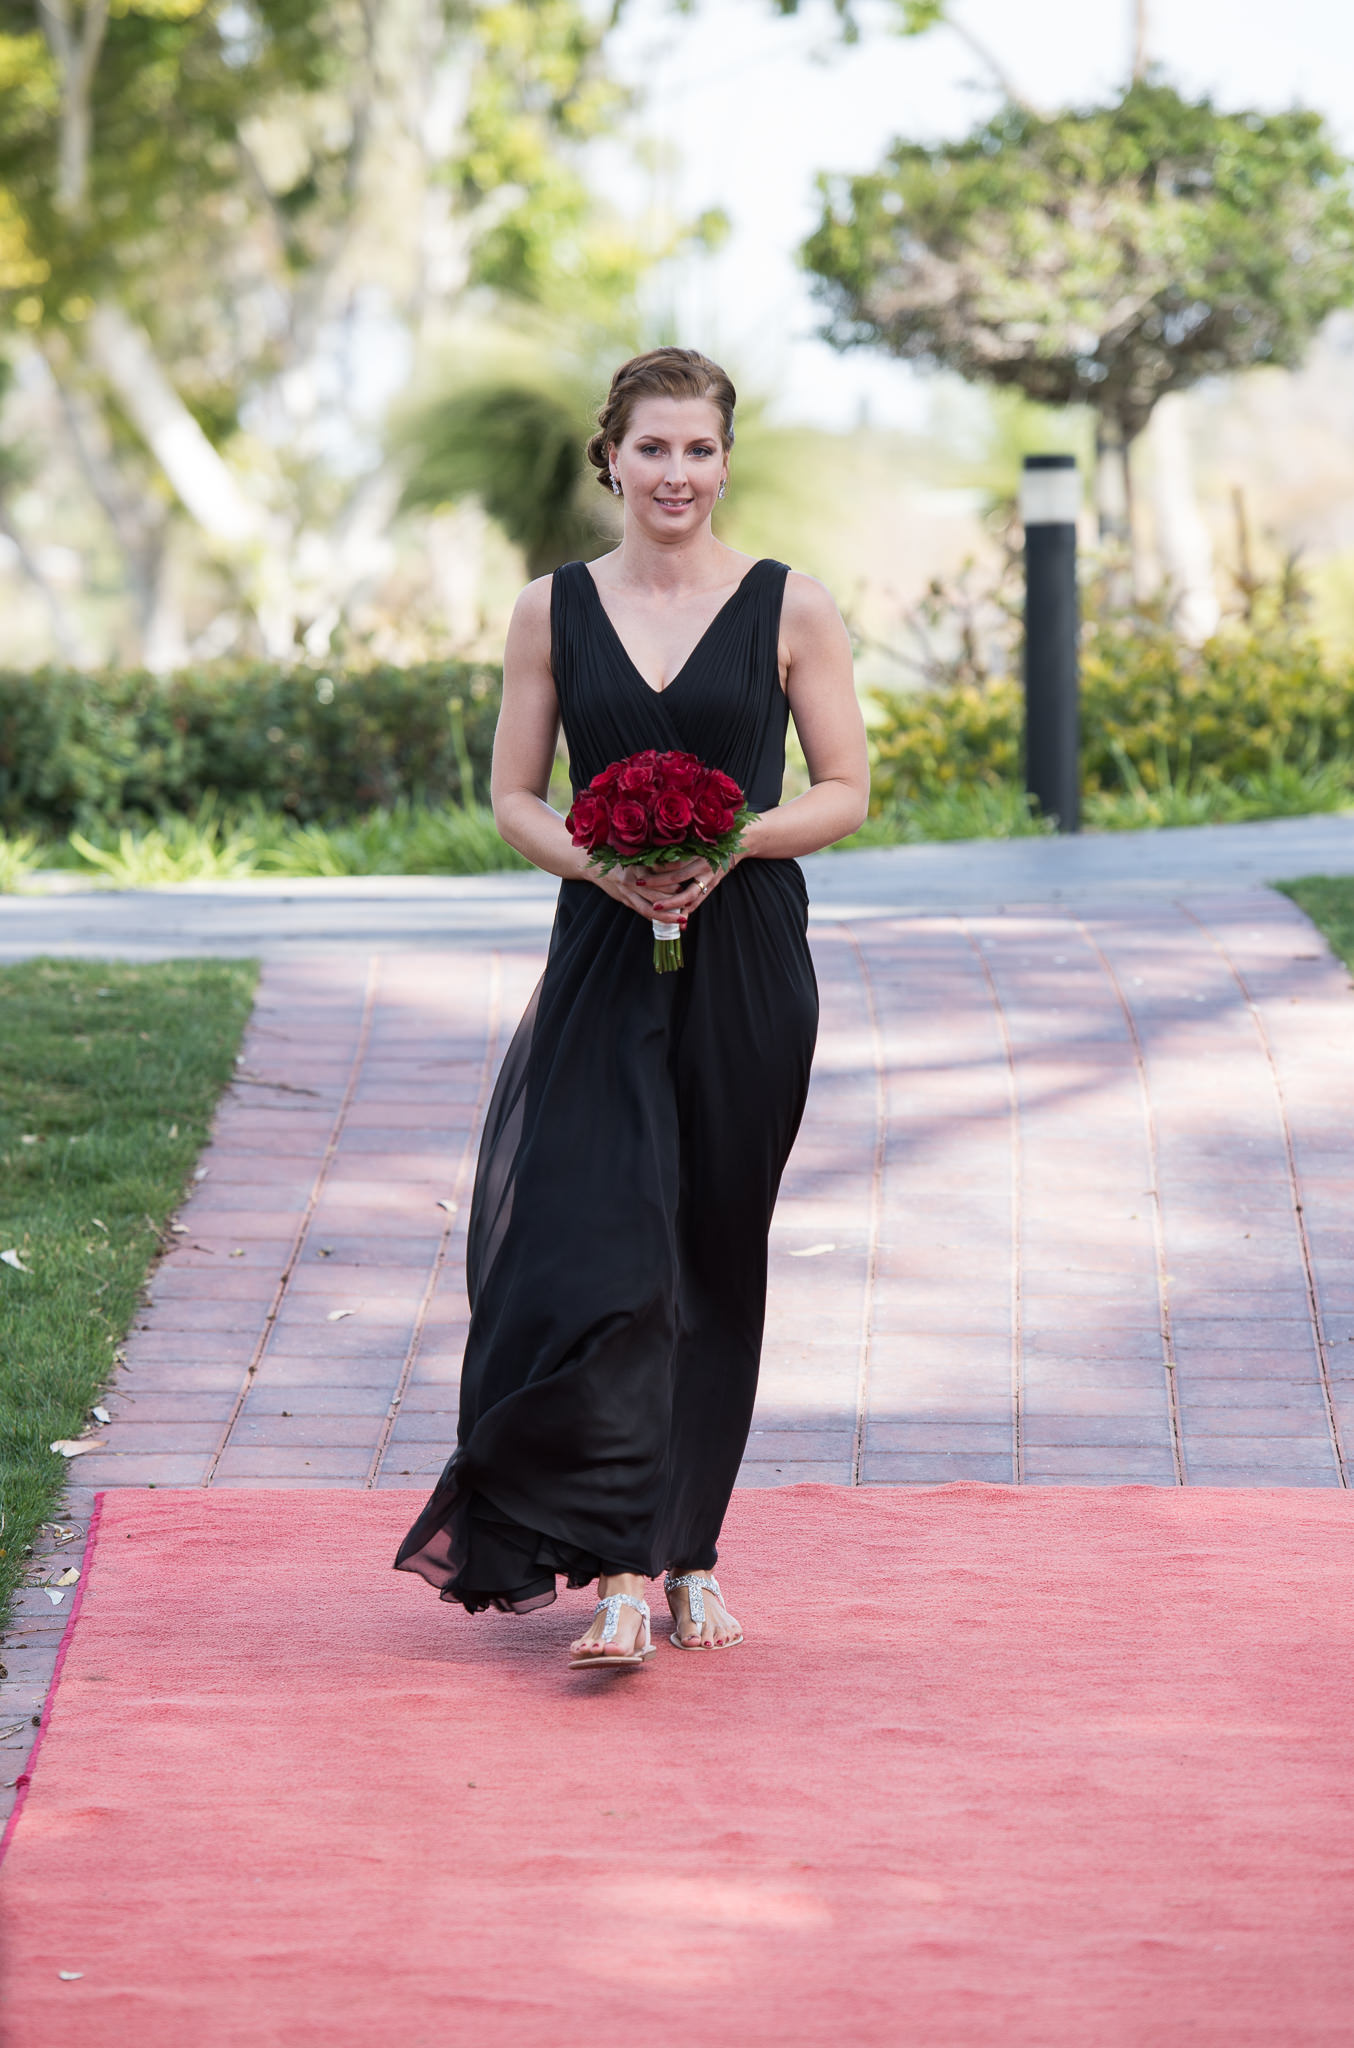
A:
702	1620
631	1629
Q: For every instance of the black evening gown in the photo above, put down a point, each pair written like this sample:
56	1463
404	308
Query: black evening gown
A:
629	1166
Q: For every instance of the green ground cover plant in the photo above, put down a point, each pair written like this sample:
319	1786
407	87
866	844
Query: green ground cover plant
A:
109	1075
406	839
1329	902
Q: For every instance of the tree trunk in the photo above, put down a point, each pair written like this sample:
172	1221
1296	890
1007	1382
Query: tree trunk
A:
200	479
1113	492
135	523
1140	59
1184	546
64	642
202	482
77	60
165	643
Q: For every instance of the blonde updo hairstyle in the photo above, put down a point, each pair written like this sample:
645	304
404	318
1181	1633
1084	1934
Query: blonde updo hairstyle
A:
662	373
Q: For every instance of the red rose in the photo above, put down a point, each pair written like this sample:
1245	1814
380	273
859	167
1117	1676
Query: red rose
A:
604	782
639	773
671	817
629	832
588	820
680	771
724	787
711	818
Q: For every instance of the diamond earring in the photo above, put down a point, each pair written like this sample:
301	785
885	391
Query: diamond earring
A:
615	484
720	492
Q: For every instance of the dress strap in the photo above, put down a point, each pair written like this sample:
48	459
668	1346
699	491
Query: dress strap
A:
565	617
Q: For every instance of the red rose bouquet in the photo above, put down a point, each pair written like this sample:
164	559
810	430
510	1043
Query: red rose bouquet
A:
657	810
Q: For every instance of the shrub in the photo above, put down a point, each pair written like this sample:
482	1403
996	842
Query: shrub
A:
321	743
1156	717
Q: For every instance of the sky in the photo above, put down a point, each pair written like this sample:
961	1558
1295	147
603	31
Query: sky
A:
740	109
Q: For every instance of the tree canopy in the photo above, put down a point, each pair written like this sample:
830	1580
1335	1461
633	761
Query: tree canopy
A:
205	203
1100	256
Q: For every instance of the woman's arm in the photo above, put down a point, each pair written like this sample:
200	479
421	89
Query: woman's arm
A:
821	686
524	743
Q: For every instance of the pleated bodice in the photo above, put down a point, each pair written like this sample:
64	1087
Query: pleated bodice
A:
725	703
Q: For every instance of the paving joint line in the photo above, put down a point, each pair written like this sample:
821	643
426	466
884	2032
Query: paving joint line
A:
1295	1192
1017	1215
876	1189
303	1227
491	1031
1158	1220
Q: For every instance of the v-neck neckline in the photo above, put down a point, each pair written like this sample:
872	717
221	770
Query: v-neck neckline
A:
630	661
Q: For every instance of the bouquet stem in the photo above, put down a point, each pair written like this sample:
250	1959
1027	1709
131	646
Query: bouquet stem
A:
667	947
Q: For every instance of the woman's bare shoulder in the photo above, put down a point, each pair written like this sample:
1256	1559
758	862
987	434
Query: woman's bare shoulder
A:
808	605
529	627
533	604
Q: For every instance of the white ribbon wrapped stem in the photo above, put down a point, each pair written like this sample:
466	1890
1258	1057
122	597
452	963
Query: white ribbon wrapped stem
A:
666	931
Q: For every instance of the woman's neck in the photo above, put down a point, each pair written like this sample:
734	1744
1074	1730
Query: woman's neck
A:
695	562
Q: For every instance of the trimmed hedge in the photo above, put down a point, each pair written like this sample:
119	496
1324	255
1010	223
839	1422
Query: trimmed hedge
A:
322	743
325	744
1238	706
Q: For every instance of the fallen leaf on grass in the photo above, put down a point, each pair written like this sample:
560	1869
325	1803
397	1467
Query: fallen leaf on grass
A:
811	1251
26	1139
99	1224
75	1447
69	1576
101	1415
336	1315
11	1258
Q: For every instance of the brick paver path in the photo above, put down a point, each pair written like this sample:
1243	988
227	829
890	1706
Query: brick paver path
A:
1068	1208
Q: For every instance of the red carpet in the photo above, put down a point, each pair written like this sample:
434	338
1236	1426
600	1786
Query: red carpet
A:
1043	1769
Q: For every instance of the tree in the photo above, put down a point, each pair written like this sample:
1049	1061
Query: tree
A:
1100	257
206	205
516	445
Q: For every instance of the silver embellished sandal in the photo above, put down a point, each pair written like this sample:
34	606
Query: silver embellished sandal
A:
697	1585
600	1660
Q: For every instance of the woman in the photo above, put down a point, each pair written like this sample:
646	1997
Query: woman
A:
639	1128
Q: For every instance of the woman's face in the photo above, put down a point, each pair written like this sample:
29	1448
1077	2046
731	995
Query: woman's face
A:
671	464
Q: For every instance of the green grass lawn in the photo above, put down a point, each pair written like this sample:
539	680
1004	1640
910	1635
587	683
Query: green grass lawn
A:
109	1075
1329	902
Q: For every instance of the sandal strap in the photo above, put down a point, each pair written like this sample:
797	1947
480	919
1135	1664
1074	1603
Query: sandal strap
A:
611	1605
696	1584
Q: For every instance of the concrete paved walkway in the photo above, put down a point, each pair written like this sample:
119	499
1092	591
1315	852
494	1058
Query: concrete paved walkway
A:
515	910
1068	1207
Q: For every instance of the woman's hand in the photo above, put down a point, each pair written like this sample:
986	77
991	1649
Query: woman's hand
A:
668	894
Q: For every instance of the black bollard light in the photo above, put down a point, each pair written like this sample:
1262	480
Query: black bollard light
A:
1050	498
